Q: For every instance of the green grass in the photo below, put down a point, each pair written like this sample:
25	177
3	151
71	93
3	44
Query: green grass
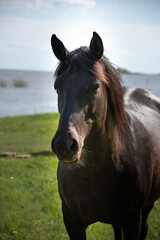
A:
30	206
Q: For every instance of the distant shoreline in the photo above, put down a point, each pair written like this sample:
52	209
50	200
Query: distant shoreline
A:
38	95
121	70
125	71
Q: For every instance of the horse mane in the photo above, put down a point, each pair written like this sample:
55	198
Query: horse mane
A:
117	115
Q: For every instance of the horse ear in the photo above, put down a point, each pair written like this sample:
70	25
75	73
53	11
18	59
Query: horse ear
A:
96	45
58	48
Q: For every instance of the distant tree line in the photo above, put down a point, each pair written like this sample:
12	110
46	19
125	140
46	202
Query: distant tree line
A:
124	71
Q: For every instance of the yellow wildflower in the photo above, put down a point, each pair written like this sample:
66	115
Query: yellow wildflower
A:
14	232
11	178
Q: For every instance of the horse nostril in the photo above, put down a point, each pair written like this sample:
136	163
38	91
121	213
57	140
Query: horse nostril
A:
52	145
74	146
64	148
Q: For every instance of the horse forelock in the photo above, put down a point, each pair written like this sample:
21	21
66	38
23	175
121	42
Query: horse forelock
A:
79	59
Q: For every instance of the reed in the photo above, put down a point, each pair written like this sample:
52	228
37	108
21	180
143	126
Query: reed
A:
19	83
3	83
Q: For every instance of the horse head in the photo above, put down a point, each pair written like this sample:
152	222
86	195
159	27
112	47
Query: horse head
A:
82	98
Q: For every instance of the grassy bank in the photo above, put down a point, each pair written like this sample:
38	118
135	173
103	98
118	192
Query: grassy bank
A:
30	206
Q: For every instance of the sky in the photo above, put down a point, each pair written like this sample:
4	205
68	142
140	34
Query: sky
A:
130	31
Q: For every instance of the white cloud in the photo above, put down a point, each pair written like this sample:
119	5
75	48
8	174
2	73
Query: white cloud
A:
25	43
42	5
75	3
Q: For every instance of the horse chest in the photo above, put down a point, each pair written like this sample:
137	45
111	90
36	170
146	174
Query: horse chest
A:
92	201
80	198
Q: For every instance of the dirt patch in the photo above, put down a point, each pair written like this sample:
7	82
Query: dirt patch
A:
15	155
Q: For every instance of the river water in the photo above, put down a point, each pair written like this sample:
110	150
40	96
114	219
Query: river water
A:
39	95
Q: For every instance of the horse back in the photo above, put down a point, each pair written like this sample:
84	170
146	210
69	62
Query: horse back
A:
136	98
143	110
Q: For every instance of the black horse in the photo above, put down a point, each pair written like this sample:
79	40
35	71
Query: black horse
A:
108	145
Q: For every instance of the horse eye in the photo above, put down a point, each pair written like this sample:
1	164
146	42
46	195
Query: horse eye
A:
95	87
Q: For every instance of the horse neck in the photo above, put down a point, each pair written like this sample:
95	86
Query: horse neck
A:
105	145
98	146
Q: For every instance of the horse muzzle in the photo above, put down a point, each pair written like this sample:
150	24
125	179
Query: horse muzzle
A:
65	147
